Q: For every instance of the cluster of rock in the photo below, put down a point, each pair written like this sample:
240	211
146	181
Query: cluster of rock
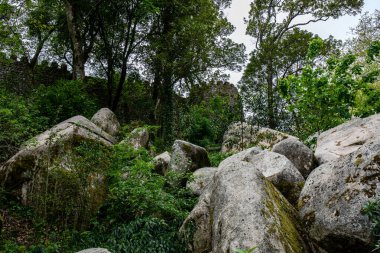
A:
20	172
287	199
277	195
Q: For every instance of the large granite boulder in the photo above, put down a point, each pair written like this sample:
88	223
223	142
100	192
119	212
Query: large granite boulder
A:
107	121
275	167
187	157
161	163
49	151
333	197
241	209
138	138
298	153
201	178
346	138
240	136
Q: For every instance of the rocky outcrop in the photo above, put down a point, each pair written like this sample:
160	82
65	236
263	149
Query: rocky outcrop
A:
187	157
138	138
107	121
161	163
346	138
94	250
241	209
201	178
46	151
334	195
275	167
298	153
240	136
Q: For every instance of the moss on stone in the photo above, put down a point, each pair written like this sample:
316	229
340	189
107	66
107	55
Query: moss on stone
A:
284	221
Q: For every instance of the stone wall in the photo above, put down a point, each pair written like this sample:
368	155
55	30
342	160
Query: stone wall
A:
16	75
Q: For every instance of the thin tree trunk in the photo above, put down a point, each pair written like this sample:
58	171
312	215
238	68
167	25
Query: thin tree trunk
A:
270	97
78	54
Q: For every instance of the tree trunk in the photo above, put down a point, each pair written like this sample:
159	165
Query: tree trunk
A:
166	108
270	97
78	54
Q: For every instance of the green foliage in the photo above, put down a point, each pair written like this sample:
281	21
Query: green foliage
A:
19	121
142	235
327	95
143	211
372	210
63	100
206	122
246	251
69	192
217	157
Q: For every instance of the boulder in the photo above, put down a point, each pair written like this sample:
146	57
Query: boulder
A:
161	163
106	120
202	177
138	138
275	167
298	153
94	250
42	152
334	194
187	157
346	138
241	209
240	136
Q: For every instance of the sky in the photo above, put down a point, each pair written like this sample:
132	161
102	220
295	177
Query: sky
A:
339	28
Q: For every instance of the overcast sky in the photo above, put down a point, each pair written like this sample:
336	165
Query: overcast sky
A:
339	28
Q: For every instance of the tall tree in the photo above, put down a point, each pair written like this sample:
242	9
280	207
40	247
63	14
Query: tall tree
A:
365	32
270	21
188	40
82	31
123	27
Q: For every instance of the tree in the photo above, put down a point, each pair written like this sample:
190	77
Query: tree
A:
188	40
366	31
82	31
261	99
269	23
326	95
10	40
123	27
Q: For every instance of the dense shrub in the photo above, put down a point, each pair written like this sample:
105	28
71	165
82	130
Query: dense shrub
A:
205	123
63	100
372	210
19	121
142	212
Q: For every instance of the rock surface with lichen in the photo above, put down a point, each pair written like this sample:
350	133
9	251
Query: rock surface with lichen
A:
298	153
346	138
187	157
161	163
240	136
201	178
241	209
138	138
275	167
107	121
48	157
333	197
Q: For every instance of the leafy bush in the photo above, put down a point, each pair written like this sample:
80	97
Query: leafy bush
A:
217	157
19	121
206	123
324	96
142	211
63	100
372	210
